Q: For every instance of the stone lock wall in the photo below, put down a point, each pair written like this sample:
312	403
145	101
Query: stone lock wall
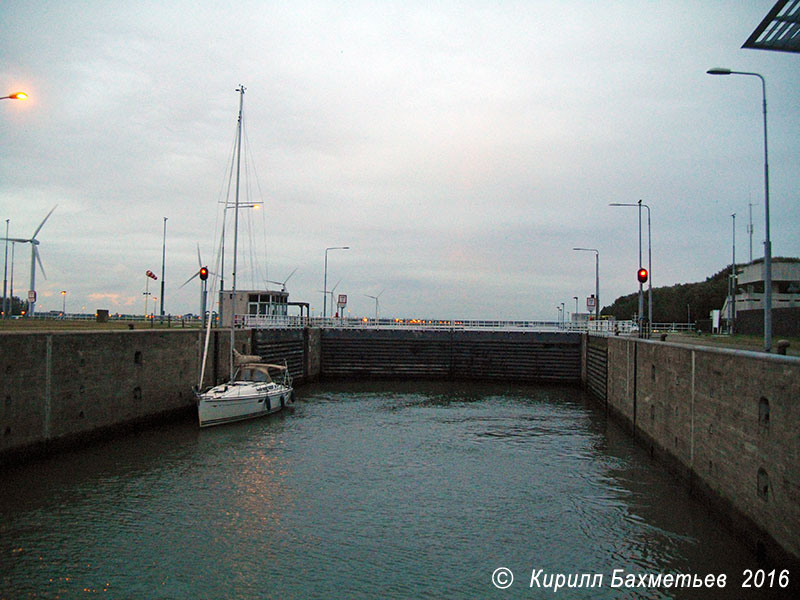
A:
62	386
727	420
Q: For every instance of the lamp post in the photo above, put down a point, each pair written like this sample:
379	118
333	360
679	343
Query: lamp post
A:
163	260
733	275
15	96
325	282
6	304
640	204
596	281
64	304
767	241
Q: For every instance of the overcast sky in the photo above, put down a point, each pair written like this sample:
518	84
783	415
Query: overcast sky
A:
461	149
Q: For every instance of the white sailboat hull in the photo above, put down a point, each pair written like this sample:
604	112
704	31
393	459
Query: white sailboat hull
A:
239	400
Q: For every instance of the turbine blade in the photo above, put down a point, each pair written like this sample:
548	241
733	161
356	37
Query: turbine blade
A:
39	259
33	237
190	278
290	276
199	260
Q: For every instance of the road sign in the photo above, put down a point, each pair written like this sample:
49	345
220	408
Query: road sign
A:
342	300
31	295
591	302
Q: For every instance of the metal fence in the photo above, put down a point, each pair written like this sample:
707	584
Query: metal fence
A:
607	327
602	327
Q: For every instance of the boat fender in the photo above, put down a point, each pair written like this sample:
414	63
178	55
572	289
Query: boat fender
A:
291	396
283	402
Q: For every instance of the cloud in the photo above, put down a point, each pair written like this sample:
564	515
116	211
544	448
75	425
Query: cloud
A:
461	150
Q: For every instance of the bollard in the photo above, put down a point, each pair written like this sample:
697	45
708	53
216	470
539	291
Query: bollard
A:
782	345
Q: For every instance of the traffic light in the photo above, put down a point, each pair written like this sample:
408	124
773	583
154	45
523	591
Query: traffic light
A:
641	275
203	273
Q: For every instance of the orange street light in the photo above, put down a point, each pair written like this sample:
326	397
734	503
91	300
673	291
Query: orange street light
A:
16	96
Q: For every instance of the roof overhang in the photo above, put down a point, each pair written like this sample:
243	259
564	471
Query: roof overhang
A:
780	29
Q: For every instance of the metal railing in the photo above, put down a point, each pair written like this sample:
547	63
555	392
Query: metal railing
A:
604	326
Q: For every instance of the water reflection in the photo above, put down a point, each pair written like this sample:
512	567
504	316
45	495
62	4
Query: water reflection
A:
363	490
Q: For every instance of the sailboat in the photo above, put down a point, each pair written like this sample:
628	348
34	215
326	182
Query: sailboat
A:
254	388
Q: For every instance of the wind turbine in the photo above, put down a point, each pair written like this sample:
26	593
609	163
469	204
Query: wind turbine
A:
283	283
376	302
34	258
202	272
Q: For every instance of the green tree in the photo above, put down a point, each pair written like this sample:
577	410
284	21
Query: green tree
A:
17	306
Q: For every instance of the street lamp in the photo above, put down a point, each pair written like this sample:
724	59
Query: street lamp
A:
733	276
596	282
15	96
6	304
767	241
639	204
64	303
325	282
163	260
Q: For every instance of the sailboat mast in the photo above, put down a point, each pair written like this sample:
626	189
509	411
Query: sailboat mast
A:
240	89
238	169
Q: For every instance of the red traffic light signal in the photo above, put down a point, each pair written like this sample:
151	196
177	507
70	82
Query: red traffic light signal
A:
641	275
203	273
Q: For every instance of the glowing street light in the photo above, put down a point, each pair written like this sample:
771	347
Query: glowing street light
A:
15	96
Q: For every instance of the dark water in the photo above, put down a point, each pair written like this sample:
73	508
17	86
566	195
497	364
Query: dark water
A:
363	491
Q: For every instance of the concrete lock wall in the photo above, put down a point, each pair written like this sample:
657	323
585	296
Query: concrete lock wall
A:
725	420
59	387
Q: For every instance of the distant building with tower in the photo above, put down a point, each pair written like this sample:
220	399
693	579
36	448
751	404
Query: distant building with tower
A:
746	308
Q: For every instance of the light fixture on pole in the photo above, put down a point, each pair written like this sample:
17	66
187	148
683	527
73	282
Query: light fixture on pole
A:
640	204
64	304
15	96
733	276
767	241
6	304
596	281
325	281
163	261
